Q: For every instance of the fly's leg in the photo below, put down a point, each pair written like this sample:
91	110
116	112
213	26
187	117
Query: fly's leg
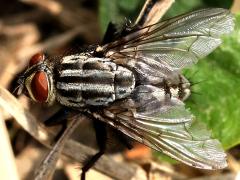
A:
60	118
57	118
120	136
123	139
101	137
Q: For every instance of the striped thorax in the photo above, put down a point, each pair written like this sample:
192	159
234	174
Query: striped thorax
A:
82	80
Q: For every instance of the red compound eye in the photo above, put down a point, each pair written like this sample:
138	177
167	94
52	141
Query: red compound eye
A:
39	86
36	58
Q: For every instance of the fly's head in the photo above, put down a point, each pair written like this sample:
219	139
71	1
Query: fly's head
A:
37	81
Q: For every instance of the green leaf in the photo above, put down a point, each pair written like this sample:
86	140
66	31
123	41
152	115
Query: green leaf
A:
218	103
218	3
117	10
162	157
183	6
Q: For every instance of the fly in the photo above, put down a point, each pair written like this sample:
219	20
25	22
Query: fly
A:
134	83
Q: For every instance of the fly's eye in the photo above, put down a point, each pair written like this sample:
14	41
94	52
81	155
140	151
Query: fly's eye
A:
39	87
37	83
36	59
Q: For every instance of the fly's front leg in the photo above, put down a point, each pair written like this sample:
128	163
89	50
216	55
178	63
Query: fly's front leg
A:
60	118
101	137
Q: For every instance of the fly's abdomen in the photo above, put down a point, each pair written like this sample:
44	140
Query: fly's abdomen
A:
84	81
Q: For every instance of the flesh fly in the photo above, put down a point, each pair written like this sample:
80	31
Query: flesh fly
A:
134	83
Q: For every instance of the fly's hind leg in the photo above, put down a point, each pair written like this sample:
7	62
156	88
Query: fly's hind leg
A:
101	137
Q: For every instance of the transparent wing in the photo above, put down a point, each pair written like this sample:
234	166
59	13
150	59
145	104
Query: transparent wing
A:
162	123
175	43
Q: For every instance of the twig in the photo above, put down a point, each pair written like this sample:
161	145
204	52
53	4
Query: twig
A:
71	17
233	164
47	167
72	149
21	18
229	176
235	6
18	50
162	170
17	37
51	43
8	168
10	104
51	6
152	11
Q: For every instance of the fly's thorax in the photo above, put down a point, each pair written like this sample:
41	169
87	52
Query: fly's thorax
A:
124	82
82	80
